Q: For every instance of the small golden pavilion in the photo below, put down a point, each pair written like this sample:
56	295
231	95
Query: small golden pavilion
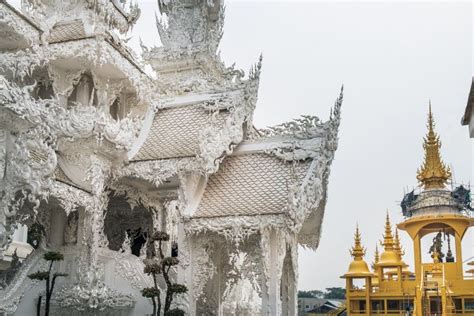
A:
439	284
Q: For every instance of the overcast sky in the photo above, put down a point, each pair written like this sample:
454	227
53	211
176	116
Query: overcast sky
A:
392	58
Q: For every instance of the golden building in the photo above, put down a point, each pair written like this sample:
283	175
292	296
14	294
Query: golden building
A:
438	285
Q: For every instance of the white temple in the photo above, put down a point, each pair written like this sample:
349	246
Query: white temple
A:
95	155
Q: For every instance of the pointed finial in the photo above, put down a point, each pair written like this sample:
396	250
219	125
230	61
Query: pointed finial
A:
376	256
397	245
357	251
388	242
433	174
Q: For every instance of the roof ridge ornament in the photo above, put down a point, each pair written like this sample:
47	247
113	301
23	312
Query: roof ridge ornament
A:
376	256
433	174
357	251
191	26
397	245
388	242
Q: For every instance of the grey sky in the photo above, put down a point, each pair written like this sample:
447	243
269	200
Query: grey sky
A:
392	58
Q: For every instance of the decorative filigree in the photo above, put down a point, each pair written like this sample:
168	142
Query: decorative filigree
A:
433	174
83	299
108	14
188	27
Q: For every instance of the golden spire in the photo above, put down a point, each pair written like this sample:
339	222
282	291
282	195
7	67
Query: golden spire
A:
357	251
397	245
358	267
376	255
433	174
390	256
388	242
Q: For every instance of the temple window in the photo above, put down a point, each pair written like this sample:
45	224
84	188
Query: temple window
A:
114	109
122	105
357	284
378	306
393	306
83	92
44	90
469	304
458	305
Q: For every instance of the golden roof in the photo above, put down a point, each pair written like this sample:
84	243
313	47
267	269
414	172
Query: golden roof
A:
433	174
358	267
390	256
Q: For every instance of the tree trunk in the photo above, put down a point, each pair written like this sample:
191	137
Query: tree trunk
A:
154	306
38	306
48	294
46	307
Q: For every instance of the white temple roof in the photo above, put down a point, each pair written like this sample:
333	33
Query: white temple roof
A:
175	132
67	31
250	184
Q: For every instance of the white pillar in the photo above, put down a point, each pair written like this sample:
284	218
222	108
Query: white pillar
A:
185	272
272	259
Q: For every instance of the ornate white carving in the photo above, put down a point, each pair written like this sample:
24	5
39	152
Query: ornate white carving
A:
83	299
218	256
203	266
236	228
187	29
131	267
19	28
107	14
11	296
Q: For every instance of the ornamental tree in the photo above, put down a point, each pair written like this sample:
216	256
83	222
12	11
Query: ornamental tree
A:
157	266
50	256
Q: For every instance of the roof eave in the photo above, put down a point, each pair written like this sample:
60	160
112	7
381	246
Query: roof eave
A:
468	112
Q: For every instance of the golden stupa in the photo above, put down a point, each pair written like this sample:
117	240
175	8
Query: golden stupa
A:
358	267
389	257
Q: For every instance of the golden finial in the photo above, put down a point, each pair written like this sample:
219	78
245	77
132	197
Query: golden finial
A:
357	251
388	242
376	256
433	174
397	245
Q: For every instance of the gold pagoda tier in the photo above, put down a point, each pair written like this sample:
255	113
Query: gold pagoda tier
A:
433	174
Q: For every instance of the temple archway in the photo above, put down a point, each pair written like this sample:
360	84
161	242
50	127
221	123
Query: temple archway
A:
122	221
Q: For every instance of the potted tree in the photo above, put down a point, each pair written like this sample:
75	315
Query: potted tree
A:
51	257
159	265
